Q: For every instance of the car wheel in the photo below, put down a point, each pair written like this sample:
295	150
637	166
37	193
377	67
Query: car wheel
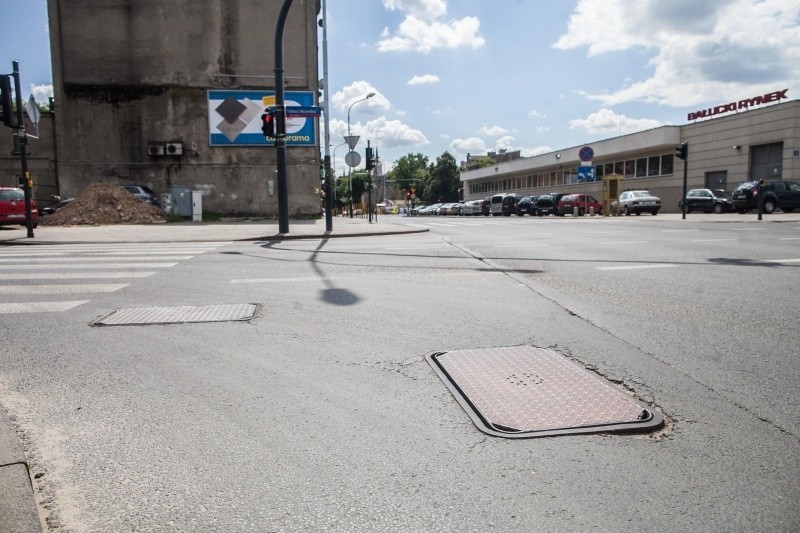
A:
638	213
627	211
581	212
742	211
769	205
718	208
654	212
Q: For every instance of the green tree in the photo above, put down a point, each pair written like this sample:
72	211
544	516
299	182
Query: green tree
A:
409	171
443	180
360	182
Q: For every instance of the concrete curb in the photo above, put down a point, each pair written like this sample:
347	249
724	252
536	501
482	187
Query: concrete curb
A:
18	510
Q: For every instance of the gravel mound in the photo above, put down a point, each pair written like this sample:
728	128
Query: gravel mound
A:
103	204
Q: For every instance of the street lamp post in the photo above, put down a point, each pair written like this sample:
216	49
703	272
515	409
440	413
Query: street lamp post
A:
350	175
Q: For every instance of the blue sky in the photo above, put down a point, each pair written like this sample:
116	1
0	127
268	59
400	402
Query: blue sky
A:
536	76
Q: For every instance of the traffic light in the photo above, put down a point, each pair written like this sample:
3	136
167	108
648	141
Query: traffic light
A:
268	124
370	158
408	194
682	150
7	116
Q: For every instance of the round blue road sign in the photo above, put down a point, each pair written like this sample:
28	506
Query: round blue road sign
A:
586	153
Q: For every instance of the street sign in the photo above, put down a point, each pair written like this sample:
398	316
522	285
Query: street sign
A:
353	159
303	111
33	110
586	173
586	153
352	141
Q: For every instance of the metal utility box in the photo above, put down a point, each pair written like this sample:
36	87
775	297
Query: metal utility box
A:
197	206
182	200
612	187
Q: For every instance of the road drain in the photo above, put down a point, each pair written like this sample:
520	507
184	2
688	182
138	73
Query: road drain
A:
523	391
137	316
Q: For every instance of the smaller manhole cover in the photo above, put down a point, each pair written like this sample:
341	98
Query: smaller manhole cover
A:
136	316
523	391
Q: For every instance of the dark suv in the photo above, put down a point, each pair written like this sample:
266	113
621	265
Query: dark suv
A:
778	194
509	206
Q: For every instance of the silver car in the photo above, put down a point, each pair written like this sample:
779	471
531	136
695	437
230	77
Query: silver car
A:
639	201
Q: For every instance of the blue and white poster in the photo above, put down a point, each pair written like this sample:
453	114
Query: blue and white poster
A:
234	118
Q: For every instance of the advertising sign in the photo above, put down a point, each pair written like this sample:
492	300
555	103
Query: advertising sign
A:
234	118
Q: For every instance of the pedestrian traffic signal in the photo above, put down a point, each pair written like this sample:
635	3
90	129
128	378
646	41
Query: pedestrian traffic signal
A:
682	150
268	124
6	111
408	194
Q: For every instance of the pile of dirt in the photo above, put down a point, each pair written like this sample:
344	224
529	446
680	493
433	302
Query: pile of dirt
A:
101	203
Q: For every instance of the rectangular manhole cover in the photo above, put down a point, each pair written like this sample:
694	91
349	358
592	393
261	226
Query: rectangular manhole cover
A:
523	391
136	316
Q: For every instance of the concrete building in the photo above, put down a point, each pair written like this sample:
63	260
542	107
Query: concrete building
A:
762	142
170	93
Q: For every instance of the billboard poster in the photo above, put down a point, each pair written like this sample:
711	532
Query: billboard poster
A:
234	118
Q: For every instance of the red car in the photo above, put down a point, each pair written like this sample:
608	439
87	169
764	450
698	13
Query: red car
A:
12	207
586	203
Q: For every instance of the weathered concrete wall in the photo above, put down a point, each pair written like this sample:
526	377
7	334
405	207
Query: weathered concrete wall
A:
130	72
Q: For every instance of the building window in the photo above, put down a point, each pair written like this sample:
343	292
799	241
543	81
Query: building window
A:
666	164
619	167
599	171
641	168
653	166
630	168
609	168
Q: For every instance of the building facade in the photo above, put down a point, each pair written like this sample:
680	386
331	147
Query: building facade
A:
170	93
758	143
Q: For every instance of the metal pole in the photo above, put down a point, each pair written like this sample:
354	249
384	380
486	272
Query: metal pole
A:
280	114
329	185
23	152
685	178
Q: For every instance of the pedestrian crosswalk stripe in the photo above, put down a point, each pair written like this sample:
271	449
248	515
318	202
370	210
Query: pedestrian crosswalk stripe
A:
88	266
39	307
74	275
28	260
62	289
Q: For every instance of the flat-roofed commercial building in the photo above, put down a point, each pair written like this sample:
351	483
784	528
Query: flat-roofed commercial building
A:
763	142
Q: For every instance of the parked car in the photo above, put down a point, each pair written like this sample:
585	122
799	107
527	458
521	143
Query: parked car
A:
143	193
778	194
430	210
708	201
471	208
526	206
12	208
557	198
486	206
585	203
496	208
509	204
640	201
544	205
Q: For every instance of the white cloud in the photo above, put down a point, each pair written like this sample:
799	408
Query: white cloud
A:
354	92
476	146
700	50
41	93
606	122
533	113
422	30
381	132
542	129
425	78
422	9
493	131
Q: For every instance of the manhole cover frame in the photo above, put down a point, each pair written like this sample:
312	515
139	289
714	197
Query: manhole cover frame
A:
651	418
256	313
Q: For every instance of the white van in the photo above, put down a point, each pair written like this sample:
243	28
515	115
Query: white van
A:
496	209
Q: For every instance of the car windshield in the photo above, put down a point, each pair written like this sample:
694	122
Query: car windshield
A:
747	185
12	194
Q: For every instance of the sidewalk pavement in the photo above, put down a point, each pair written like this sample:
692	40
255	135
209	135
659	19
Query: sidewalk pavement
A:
204	231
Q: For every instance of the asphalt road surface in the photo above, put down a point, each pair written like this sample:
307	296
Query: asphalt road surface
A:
323	415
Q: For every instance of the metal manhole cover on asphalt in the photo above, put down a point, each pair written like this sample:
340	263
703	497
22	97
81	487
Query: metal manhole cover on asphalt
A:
523	391
136	316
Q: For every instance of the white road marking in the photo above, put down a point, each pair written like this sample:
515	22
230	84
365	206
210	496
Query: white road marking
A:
626	242
75	275
280	280
50	266
679	230
27	259
61	289
712	240
520	245
782	260
39	307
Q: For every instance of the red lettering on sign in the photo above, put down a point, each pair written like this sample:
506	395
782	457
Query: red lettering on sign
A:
741	104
